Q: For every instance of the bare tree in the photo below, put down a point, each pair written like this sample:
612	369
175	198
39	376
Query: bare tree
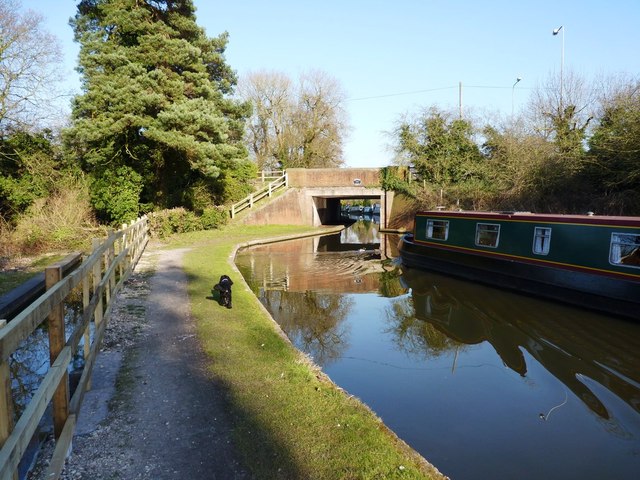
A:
560	111
321	120
269	128
295	126
29	58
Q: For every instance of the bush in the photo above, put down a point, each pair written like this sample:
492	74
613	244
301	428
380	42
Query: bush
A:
115	195
214	217
179	220
198	197
59	221
236	182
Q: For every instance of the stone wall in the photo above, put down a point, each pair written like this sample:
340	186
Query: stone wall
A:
333	177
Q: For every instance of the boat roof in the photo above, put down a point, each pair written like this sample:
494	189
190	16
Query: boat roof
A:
539	217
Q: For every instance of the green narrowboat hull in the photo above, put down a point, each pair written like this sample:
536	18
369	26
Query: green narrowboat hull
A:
578	261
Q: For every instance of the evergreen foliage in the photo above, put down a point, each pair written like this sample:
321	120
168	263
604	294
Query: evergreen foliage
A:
442	150
615	152
31	167
156	102
396	179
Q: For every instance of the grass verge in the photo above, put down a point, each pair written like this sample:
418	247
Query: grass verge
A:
14	277
291	420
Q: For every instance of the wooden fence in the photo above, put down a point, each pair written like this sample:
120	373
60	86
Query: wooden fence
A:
270	175
279	182
100	276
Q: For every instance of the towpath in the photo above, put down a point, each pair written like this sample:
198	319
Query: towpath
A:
167	420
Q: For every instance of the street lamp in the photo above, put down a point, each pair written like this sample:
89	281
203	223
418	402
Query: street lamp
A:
555	32
513	90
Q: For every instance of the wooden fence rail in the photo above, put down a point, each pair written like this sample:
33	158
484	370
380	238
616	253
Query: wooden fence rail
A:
248	202
270	175
100	276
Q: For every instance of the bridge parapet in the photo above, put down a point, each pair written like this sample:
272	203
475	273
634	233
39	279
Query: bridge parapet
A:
333	177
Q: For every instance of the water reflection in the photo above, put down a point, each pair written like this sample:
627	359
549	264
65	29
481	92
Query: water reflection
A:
482	382
29	363
575	346
324	333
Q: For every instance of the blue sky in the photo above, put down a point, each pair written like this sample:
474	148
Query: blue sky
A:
399	56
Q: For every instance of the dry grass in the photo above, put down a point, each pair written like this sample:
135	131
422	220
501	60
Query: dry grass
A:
63	221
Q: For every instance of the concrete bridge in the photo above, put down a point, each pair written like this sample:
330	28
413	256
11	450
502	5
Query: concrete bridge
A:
314	195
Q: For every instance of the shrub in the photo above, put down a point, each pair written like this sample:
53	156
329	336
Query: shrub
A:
214	217
198	197
163	223
59	221
115	195
236	182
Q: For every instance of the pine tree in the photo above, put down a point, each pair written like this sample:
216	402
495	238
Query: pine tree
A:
156	107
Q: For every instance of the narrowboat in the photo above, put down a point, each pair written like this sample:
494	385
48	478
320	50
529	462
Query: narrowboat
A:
590	261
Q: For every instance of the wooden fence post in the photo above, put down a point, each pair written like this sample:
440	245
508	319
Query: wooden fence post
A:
124	265
112	257
53	275
97	275
106	256
6	402
86	296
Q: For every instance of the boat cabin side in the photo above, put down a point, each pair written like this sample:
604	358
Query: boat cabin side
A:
598	243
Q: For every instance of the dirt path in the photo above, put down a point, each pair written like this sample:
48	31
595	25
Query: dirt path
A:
169	421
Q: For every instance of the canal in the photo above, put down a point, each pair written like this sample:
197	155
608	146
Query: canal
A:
484	383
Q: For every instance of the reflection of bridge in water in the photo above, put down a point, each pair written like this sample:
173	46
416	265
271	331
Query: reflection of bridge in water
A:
327	263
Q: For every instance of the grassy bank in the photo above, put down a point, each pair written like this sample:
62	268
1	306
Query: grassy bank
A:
18	273
292	422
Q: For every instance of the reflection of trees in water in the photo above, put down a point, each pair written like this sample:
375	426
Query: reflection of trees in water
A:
362	231
416	336
313	321
390	285
29	363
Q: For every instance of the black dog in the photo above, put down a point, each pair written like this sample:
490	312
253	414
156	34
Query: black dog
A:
224	287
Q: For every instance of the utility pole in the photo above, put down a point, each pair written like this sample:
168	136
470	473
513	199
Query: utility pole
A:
460	99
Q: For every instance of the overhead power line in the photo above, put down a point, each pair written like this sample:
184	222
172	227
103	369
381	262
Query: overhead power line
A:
400	93
413	92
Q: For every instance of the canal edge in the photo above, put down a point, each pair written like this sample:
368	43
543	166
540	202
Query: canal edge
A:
314	367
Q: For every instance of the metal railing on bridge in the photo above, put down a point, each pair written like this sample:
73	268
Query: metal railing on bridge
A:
248	202
98	279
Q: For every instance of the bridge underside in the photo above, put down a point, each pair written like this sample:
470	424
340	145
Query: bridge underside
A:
327	204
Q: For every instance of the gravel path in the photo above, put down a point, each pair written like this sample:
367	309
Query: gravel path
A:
168	419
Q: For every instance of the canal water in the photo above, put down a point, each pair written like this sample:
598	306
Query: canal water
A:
484	383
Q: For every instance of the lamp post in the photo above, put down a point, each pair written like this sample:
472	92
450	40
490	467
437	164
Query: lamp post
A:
555	32
513	90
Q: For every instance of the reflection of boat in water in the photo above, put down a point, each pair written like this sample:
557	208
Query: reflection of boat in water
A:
590	261
579	348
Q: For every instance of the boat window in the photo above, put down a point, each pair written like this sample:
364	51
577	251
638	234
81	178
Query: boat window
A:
487	235
438	229
625	249
541	240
